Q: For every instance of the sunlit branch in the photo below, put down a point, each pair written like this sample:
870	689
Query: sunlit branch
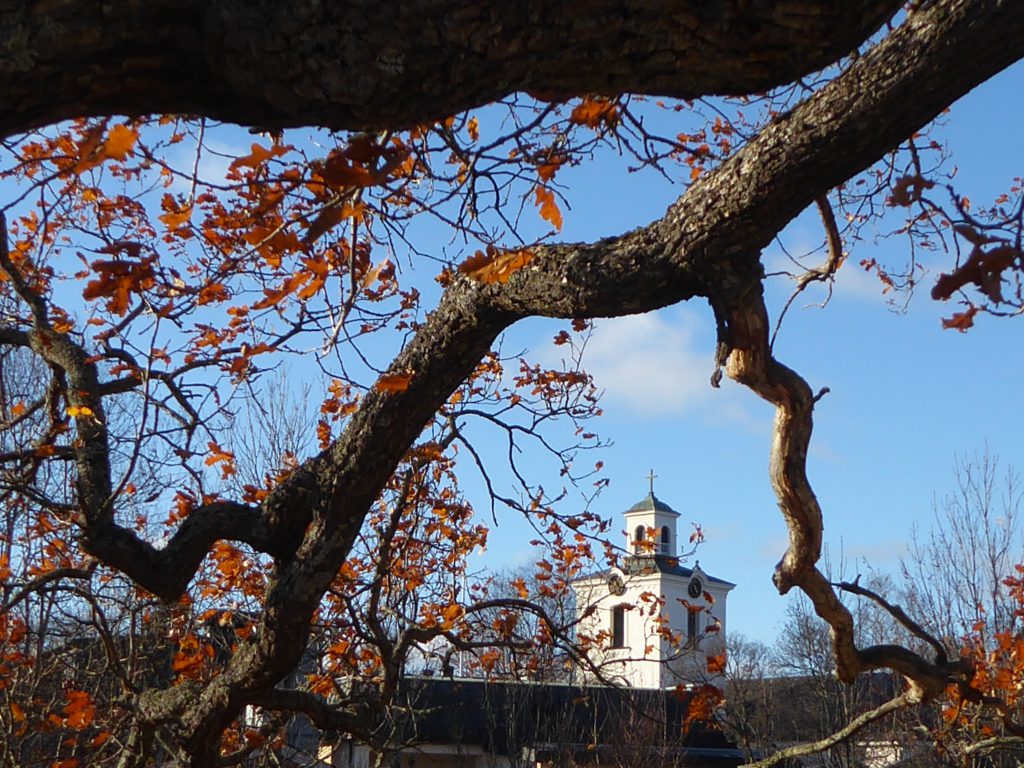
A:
855	725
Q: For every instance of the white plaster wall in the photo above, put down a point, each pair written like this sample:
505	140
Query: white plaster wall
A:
640	662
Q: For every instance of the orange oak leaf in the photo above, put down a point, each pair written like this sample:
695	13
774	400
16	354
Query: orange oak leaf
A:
213	292
120	142
273	296
189	664
230	561
371	276
174	215
328	218
716	664
323	434
117	280
451	614
338	173
549	211
219	456
908	190
593	112
961	321
547	169
393	382
80	710
496	266
702	705
258	155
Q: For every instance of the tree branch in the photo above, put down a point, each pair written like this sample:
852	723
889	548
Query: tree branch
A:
900	615
707	244
324	715
364	64
839	736
166	571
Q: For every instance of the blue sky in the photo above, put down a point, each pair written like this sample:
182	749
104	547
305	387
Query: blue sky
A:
907	397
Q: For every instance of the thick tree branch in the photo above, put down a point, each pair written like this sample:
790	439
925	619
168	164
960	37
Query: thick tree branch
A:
166	571
326	716
707	244
899	614
994	744
366	64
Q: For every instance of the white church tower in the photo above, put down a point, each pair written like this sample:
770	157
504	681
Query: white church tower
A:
653	622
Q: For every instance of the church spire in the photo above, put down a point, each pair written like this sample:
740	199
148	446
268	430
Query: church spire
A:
651	525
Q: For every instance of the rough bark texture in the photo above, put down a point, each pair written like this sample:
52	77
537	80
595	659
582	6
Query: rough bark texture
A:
358	64
363	63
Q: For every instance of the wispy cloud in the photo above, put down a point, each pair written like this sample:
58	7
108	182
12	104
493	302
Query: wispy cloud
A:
851	280
217	155
880	554
654	364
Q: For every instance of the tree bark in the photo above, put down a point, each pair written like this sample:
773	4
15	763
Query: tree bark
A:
707	244
364	64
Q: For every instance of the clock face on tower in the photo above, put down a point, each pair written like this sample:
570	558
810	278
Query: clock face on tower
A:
616	585
695	589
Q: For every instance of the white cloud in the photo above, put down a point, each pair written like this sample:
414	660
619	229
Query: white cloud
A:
216	157
879	554
851	280
653	364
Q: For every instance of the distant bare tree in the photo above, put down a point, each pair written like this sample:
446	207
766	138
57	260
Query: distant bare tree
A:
961	581
954	575
751	702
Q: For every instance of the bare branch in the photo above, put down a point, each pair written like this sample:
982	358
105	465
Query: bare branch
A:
899	614
855	725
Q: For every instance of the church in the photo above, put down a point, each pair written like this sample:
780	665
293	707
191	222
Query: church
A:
657	634
663	623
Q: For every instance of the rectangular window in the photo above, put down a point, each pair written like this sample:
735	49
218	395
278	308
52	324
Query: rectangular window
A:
618	627
692	627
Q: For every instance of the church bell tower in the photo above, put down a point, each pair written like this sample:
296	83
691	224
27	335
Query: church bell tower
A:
652	621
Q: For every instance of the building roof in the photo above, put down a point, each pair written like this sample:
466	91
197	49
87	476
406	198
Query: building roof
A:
503	717
638	565
651	503
646	565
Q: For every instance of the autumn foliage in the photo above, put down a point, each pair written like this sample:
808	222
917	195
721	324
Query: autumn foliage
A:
148	304
258	413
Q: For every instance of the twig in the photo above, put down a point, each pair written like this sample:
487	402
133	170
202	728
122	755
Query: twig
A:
814	747
828	269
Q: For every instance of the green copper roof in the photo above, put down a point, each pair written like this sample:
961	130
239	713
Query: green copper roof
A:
650	503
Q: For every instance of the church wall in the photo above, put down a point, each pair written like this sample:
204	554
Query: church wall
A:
655	592
640	662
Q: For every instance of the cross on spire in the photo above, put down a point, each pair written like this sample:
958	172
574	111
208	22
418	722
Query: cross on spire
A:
650	478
